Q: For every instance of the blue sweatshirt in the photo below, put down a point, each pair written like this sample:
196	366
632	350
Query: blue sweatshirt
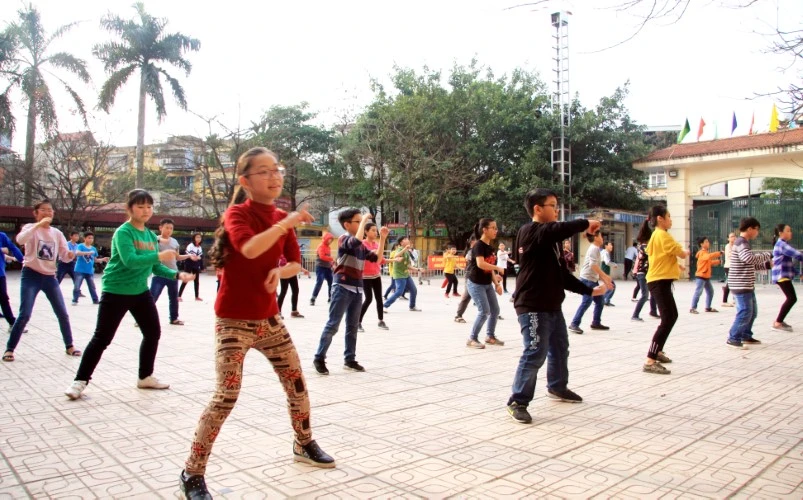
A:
5	242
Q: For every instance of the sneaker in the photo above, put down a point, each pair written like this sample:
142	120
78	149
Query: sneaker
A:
151	382
385	311
656	316
751	341
180	299
320	367
74	303
610	304
194	487
353	366
636	318
711	310
575	329
415	309
75	390
359	328
296	314
519	413
735	343
455	294
446	295
382	325
403	298
500	317
312	454
494	341
783	327
693	311
656	368
475	344
198	299
599	326
662	358
633	300
459	319
312	302
726	304
566	395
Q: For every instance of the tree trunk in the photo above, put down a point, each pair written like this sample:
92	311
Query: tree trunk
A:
141	134
30	148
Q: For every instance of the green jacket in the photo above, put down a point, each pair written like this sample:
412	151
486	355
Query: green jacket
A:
135	256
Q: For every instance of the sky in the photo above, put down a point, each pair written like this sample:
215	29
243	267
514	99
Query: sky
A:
710	64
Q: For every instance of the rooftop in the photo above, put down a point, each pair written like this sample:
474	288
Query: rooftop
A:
778	139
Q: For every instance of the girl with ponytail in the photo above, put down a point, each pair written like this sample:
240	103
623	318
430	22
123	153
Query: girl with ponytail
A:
482	281
784	271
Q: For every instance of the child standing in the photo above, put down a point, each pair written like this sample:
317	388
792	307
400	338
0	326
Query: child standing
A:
195	265
68	268
590	275
43	244
85	268
292	284
372	276
323	268
449	263
402	282
705	260
784	272
348	289
742	283
640	268
158	283
483	284
5	305
125	289
542	279
502	259
727	266
663	253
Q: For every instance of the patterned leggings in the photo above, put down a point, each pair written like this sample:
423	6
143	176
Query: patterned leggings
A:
233	339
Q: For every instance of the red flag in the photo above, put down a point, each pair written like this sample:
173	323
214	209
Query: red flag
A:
752	122
700	129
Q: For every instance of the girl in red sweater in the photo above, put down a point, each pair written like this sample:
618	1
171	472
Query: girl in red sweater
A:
251	238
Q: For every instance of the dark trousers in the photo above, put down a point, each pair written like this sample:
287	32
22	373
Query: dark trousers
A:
157	285
63	269
451	283
5	305
628	267
292	283
788	289
464	300
725	289
372	285
504	281
196	282
110	313
662	291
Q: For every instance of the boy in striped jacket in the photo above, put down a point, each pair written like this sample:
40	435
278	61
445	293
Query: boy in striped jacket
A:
742	281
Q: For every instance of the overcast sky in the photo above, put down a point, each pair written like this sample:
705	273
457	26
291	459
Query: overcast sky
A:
258	54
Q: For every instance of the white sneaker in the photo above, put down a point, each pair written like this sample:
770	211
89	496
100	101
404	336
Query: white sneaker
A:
75	390
151	382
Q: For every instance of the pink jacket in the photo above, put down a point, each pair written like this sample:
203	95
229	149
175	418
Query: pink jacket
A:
372	269
42	246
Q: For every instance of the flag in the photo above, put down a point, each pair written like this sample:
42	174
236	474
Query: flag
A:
774	119
733	124
752	122
686	130
700	128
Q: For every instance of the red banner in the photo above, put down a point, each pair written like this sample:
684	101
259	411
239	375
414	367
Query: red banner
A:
435	262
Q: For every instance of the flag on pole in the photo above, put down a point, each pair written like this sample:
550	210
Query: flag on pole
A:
733	124
774	119
752	122
700	128
686	130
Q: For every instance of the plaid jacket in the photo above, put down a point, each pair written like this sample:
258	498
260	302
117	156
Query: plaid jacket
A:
783	261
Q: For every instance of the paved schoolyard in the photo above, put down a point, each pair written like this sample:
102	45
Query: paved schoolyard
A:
428	417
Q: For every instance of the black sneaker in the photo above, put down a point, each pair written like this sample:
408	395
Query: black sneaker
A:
564	395
312	302
575	329
610	304
751	341
194	487
353	366
320	367
382	325
519	413
312	454
359	328
599	326
656	316
735	343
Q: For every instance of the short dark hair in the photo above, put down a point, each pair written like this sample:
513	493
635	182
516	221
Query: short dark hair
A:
88	234
346	216
137	196
591	237
43	202
701	240
537	197
166	221
73	232
749	223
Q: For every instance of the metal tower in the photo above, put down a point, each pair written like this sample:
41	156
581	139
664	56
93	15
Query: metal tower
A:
561	103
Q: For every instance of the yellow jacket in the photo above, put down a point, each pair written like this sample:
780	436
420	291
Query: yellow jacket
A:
663	252
449	261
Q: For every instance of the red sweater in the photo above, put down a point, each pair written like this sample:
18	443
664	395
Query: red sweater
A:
242	292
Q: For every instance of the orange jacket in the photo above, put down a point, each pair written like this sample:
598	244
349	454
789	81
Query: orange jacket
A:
704	262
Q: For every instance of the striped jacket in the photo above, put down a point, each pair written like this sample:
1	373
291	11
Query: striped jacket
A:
351	257
744	262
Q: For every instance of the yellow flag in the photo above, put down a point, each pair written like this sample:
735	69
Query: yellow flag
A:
774	119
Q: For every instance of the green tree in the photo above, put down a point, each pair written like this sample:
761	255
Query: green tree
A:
7	70
785	189
31	61
143	45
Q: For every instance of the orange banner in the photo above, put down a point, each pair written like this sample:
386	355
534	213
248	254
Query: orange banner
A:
435	262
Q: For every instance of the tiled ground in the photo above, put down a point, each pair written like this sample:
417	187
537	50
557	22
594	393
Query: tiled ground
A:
426	420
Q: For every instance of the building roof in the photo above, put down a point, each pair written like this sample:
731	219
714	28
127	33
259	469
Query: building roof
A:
115	215
77	137
729	145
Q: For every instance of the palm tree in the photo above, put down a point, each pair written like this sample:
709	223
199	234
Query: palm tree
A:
30	62
142	46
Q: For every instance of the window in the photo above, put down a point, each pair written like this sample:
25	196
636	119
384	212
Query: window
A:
657	180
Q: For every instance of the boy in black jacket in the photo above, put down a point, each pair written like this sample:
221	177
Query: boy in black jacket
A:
539	294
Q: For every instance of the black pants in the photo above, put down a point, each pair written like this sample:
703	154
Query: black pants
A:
5	305
195	282
111	310
369	286
628	267
788	289
725	289
451	283
504	280
293	284
464	300
637	289
662	291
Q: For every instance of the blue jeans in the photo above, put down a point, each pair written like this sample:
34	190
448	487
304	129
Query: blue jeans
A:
609	295
545	337
350	304
322	273
586	302
31	284
402	285
90	283
63	269
642	283
487	308
698	290
157	285
746	312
